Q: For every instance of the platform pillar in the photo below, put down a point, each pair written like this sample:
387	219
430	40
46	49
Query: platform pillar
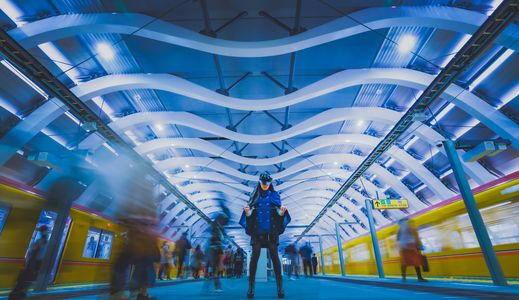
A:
475	216
339	248
374	239
322	255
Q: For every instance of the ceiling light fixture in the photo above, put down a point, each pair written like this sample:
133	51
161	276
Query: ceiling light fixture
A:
105	50
159	127
406	43
360	122
25	79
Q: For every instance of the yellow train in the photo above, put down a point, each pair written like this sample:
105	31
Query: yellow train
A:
446	232
90	244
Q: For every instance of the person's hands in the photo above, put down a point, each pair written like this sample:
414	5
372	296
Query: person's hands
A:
283	210
246	209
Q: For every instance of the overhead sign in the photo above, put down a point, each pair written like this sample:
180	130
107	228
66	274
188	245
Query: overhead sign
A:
390	204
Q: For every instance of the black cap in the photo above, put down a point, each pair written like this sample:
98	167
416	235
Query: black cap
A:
265	178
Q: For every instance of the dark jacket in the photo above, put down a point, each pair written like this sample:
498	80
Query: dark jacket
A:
277	223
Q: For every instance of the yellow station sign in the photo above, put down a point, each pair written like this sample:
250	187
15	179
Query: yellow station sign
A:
390	204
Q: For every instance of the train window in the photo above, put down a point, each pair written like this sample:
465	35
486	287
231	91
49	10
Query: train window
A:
98	244
4	212
105	245
48	218
505	232
430	237
359	253
91	242
329	259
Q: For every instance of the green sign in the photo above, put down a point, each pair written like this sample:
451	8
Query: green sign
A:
390	204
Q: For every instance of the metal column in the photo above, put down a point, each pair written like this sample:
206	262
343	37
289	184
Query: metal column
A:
475	216
374	239
339	248
322	255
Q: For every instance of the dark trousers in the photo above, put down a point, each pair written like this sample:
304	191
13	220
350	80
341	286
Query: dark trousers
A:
315	268
164	271
25	278
293	267
180	262
256	250
307	265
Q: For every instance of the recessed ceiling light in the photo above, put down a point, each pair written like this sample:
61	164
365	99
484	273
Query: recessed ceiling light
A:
335	163
360	122
105	50
159	127
187	166
347	141
406	43
378	91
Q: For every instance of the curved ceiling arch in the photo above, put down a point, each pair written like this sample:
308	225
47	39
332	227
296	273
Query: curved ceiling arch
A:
439	17
403	157
193	121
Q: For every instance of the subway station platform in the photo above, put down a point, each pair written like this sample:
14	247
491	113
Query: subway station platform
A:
141	138
320	287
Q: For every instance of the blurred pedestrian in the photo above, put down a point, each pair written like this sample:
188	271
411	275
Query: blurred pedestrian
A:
33	263
228	261
239	257
164	262
291	251
314	263
197	259
410	246
142	244
264	220
181	248
306	257
215	250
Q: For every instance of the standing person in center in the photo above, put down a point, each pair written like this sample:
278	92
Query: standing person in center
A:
264	220
181	248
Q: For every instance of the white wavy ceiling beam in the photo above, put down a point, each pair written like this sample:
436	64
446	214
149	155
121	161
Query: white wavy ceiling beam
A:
204	162
204	195
193	121
382	173
439	17
322	141
211	176
384	176
197	187
463	99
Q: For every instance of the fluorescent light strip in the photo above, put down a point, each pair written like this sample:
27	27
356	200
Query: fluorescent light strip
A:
9	107
73	118
53	135
509	96
484	75
110	148
12	11
26	79
446	173
411	142
461	131
423	186
442	113
103	105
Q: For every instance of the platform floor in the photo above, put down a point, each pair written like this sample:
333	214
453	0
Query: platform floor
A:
313	289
